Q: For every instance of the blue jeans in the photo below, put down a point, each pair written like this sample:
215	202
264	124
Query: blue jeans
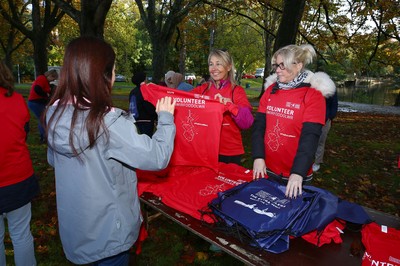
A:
19	228
122	259
38	109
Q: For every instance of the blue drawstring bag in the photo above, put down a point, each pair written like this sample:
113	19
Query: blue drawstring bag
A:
259	213
317	217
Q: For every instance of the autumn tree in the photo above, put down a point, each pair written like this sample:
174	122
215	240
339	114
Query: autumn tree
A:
289	23
66	30
10	40
161	19
243	41
89	14
37	26
358	36
191	41
120	31
267	16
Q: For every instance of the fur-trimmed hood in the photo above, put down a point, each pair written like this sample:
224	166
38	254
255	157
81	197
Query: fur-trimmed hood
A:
319	80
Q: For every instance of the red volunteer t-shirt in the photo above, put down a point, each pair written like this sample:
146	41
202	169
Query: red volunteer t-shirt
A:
286	111
381	245
231	139
198	123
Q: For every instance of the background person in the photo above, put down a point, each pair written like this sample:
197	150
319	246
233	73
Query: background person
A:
331	111
95	149
171	80
289	119
176	81
39	96
146	111
222	86
18	183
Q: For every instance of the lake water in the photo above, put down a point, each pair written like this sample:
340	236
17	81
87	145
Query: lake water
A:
379	93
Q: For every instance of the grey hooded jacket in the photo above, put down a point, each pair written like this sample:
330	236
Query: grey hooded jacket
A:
97	201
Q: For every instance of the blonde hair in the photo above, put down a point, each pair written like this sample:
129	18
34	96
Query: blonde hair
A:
292	54
226	60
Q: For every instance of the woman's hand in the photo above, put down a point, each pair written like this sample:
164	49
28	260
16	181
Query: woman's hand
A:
259	168
222	99
165	104
294	187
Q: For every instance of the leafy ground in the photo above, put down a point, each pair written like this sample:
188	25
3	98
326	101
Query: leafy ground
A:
360	166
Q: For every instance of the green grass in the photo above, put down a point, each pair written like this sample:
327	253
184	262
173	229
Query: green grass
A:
360	166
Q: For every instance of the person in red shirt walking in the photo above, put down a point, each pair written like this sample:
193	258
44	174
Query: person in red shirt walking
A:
39	96
222	86
18	183
289	119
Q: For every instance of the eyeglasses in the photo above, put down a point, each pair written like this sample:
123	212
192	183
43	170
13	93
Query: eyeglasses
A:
280	65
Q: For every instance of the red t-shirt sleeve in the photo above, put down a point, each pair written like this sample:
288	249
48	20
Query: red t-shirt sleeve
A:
240	97
315	107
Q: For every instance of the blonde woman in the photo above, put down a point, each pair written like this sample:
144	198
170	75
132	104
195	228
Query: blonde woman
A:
222	86
289	119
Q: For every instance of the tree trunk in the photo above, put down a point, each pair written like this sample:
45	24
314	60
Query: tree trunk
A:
268	42
161	28
159	58
93	16
8	49
397	102
90	18
44	17
40	53
182	54
289	24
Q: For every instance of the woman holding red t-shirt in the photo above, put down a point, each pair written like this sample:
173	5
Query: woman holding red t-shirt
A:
289	119
222	86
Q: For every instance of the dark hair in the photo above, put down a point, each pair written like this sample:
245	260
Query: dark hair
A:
86	82
6	79
138	78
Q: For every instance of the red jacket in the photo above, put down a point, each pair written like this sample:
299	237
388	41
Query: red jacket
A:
42	82
15	161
